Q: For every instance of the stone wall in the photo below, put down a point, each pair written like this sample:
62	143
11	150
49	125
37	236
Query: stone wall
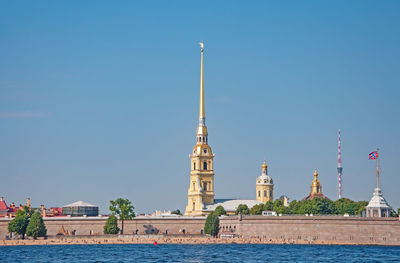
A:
316	229
293	229
83	226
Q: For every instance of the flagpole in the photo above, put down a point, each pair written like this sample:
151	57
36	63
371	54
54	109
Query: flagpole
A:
377	168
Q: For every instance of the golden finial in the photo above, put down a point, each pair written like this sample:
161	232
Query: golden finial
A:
315	172
264	165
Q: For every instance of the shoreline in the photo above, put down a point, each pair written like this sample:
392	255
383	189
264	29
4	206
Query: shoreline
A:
102	240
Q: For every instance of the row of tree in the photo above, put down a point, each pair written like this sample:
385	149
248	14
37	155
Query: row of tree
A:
28	222
316	206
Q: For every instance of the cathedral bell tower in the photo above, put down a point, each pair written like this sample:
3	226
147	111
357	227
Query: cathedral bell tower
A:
201	187
264	185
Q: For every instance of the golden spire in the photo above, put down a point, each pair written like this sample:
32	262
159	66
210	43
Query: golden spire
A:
202	115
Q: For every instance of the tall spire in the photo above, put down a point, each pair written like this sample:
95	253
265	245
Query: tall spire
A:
202	115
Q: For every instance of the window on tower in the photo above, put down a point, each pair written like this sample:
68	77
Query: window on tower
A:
259	193
205	165
265	193
194	186
205	186
194	166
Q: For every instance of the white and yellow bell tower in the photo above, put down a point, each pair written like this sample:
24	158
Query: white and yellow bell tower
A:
264	185
201	187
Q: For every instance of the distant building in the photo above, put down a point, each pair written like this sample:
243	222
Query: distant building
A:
80	208
230	205
9	211
316	188
51	212
377	206
285	200
264	186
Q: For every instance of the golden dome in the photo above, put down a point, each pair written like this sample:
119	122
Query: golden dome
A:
264	165
316	185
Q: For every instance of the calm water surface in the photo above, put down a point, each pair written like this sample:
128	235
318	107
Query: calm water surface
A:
199	253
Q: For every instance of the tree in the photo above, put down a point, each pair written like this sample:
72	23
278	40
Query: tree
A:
111	226
124	209
346	206
361	207
176	212
269	206
36	227
279	208
243	209
211	226
219	211
257	209
323	206
20	222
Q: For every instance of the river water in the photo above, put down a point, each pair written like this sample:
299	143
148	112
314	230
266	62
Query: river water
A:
199	253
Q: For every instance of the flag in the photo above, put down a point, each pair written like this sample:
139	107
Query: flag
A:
373	155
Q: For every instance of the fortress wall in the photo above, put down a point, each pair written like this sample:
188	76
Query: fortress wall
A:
297	229
317	229
140	225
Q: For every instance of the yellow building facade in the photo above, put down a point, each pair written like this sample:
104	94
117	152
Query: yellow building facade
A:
201	187
264	186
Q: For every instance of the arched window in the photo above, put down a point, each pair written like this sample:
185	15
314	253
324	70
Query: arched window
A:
194	186
194	206
259	193
194	166
265	193
205	186
205	165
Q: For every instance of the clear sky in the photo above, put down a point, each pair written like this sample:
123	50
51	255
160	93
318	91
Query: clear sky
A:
99	99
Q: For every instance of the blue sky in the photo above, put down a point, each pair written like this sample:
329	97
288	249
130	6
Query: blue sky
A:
99	99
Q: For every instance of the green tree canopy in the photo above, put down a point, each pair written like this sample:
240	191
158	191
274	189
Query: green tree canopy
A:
361	207
243	209
36	227
322	206
211	226
124	209
176	212
111	226
219	211
269	206
257	209
20	222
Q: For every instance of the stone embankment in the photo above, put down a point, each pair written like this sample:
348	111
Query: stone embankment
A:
161	240
245	229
